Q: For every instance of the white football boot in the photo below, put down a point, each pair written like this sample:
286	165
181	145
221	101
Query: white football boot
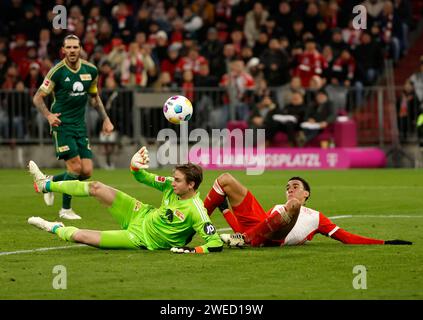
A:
68	214
40	181
44	224
233	240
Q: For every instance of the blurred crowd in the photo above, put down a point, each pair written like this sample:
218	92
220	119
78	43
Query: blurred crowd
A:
298	48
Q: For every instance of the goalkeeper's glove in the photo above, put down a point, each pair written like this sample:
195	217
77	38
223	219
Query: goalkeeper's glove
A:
186	250
398	242
140	159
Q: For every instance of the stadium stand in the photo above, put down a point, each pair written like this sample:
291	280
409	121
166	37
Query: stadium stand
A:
235	52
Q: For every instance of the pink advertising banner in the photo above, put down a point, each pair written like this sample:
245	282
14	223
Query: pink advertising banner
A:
290	158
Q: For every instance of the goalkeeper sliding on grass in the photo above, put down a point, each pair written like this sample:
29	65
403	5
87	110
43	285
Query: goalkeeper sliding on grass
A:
171	226
290	223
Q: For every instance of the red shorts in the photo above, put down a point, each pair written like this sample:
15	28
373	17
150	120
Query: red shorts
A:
249	212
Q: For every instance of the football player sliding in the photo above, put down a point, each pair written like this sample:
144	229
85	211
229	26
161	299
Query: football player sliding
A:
290	223
171	226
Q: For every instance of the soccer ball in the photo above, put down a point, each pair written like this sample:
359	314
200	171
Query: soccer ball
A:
177	109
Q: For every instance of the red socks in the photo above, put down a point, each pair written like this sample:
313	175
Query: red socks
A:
214	198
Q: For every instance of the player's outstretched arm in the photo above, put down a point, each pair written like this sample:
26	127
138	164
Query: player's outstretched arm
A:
139	162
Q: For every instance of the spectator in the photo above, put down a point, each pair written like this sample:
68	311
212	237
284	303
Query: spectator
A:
275	64
254	20
239	85
285	93
391	30
122	22
295	34
408	106
205	10
11	78
34	78
191	62
284	17
187	84
369	58
192	22
261	44
117	55
142	21
373	9
104	35
164	83
43	44
416	80
171	61
322	34
212	49
238	41
18	48
311	17
136	66
260	112
160	49
311	62
288	120
30	24
337	42
319	115
205	101
224	16
4	65
271	28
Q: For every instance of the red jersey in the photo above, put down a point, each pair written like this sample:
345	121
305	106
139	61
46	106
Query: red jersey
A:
310	64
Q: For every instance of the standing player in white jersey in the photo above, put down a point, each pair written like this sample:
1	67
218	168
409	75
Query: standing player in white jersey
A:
290	223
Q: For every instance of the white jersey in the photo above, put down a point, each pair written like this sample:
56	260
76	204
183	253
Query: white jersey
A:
308	224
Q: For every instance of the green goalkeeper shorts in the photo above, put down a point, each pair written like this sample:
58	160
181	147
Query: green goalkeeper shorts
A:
129	213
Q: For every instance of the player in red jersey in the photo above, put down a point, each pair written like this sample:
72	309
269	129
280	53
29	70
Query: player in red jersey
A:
290	223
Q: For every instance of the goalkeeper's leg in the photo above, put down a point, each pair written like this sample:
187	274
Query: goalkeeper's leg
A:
115	239
103	193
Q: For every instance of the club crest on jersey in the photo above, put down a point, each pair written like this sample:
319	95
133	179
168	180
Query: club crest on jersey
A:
85	77
179	214
137	206
160	179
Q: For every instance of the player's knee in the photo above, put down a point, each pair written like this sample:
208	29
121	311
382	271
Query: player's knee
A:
225	179
79	236
95	187
75	168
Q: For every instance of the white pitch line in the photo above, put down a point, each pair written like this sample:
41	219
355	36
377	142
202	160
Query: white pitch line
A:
219	230
41	249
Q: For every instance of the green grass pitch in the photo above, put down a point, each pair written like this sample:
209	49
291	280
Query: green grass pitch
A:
385	204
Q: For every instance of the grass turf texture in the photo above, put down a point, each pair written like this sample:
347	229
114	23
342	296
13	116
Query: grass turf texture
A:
321	269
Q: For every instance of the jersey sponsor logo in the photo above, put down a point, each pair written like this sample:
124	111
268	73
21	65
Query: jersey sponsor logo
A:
78	89
63	148
179	214
169	215
160	179
85	77
209	229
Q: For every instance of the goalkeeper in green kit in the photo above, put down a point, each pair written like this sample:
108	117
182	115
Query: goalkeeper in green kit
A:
172	226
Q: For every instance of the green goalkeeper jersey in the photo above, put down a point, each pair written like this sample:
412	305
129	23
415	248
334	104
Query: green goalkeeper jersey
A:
70	89
176	221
